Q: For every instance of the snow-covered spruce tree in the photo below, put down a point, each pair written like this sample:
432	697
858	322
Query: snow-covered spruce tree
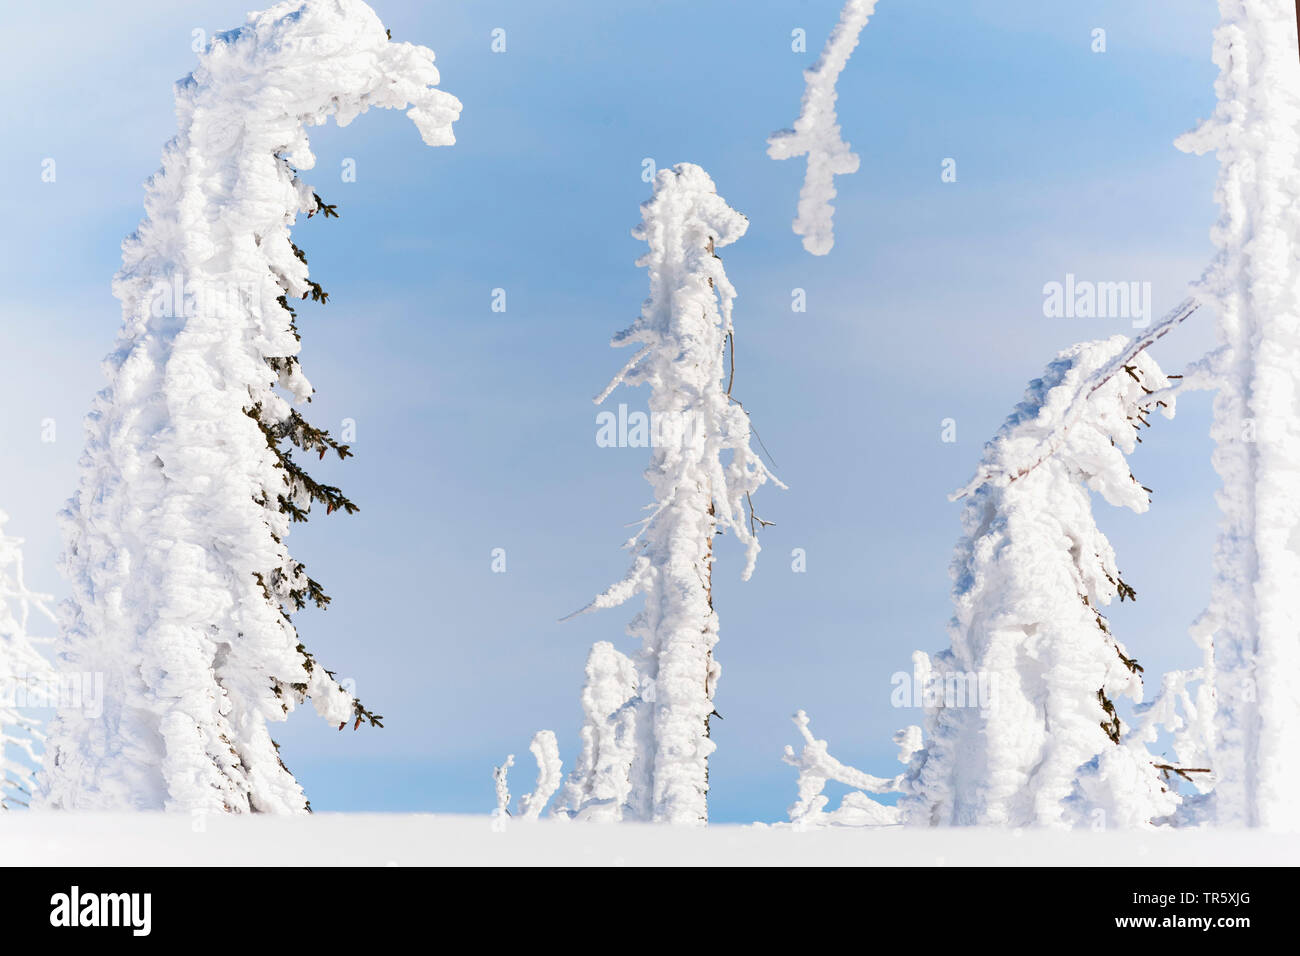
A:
1030	647
646	744
182	585
1021	725
25	676
816	133
1251	630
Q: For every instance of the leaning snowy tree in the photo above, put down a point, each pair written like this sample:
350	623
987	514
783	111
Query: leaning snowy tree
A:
25	676
1251	630
646	741
1032	576
182	585
1021	725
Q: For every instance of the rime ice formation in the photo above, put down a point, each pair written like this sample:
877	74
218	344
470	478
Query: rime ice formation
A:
646	740
1251	630
181	580
26	677
817	135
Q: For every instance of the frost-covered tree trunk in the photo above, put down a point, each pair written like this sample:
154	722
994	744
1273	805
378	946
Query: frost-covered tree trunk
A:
25	676
182	585
1252	627
1021	727
702	471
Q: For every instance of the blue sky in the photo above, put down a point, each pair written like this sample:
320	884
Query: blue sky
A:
475	429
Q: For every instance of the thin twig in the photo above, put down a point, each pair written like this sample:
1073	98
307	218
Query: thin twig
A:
1181	771
753	517
731	351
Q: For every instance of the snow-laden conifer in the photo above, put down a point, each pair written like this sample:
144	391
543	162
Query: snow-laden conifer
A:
182	584
1251	630
1031	648
702	472
26	677
816	133
1021	725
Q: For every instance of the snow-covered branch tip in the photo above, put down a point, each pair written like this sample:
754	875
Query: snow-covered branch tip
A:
546	752
817	767
816	133
501	783
684	332
1078	406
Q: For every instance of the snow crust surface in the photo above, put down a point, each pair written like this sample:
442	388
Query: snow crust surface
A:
144	839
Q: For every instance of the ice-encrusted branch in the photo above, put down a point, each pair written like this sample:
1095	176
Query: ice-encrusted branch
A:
816	133
501	781
817	767
546	751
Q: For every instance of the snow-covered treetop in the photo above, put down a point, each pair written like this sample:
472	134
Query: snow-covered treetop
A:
1093	448
685	332
311	59
1073	412
242	115
816	132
